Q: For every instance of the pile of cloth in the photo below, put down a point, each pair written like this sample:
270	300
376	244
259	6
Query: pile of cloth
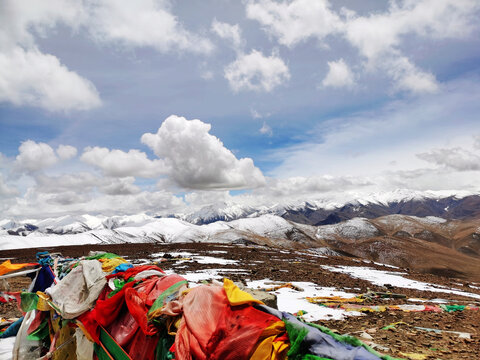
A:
102	307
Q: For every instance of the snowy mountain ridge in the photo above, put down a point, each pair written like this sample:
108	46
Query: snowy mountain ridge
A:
263	230
227	211
453	246
317	212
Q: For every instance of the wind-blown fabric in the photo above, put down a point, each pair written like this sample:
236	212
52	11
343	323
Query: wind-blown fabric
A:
213	329
77	292
7	266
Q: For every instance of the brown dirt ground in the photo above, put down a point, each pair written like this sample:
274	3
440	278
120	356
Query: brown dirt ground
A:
262	263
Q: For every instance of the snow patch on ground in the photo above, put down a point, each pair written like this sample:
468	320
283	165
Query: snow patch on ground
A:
196	277
214	260
182	254
381	278
194	257
436	301
386	265
292	301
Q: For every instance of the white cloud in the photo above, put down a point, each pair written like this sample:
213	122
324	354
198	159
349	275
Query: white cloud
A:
205	71
266	129
202	198
77	182
455	158
256	114
476	142
199	160
34	156
119	163
143	23
437	179
207	75
408	77
368	143
295	21
231	33
379	33
377	36
29	77
21	19
299	185
6	191
4	161
59	204
85	183
66	198
339	75
256	72
66	152
123	186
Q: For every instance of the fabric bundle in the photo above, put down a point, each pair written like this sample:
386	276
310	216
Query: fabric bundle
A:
105	308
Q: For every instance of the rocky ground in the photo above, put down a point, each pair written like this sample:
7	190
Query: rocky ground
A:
259	263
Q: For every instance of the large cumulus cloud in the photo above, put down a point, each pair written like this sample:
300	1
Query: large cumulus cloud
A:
198	160
118	163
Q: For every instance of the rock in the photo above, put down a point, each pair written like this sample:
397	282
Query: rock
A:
267	298
464	335
366	336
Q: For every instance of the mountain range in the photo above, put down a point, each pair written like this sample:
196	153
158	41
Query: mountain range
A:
332	210
318	212
426	232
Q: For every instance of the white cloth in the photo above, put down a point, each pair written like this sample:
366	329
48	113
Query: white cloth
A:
147	273
6	348
84	346
79	289
23	348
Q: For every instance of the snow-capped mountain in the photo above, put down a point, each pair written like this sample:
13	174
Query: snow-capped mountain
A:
431	244
221	211
127	220
68	224
317	212
333	210
263	230
353	229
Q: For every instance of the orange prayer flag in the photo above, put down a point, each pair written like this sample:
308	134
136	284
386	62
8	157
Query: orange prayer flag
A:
7	266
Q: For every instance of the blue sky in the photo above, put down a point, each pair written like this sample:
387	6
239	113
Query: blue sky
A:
294	99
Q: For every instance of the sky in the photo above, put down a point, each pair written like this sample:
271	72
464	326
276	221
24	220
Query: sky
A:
155	106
